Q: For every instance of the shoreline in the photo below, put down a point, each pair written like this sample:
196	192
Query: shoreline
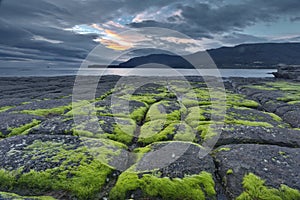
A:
40	136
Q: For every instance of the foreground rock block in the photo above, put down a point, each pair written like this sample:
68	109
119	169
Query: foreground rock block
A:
168	170
65	166
276	165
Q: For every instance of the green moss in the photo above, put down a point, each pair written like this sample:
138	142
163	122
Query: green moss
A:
195	114
7	180
84	133
274	116
249	123
261	87
207	131
198	186
284	85
154	131
44	112
105	95
58	110
23	129
184	133
13	196
283	154
142	150
138	114
122	130
81	171
229	171
123	134
202	94
254	188
155	113
222	149
85	182
5	108
240	100
157	130
146	98
87	109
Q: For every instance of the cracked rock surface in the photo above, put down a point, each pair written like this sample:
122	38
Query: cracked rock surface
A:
149	138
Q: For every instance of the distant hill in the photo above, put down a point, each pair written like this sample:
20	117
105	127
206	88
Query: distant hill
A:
262	55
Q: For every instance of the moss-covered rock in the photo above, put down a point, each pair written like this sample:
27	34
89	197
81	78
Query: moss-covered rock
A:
118	129
200	186
168	170
276	165
12	196
166	110
160	130
39	164
17	124
116	107
255	188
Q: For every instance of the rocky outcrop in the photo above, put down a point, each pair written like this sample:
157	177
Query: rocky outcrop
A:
161	140
288	72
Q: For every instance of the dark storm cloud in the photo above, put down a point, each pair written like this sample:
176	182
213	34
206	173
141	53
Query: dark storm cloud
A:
203	19
21	23
36	29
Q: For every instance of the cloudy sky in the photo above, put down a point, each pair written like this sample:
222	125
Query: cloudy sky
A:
63	32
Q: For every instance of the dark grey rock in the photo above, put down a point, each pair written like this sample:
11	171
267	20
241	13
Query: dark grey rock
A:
288	72
277	165
232	134
13	120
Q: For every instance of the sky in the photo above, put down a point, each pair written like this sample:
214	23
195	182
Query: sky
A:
63	33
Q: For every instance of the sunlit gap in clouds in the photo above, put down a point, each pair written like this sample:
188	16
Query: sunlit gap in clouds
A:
113	35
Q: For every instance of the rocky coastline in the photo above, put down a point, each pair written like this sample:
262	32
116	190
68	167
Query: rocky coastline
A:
156	148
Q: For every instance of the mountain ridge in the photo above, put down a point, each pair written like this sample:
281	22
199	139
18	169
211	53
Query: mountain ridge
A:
256	55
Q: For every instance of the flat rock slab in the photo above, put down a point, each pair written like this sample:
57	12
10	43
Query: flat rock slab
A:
169	170
279	97
42	104
13	102
176	159
41	164
233	134
9	121
34	152
89	126
121	107
277	165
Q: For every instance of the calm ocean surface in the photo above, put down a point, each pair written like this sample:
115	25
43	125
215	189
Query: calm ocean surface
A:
14	72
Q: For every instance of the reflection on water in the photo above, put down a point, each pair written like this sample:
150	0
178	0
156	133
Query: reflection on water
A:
10	72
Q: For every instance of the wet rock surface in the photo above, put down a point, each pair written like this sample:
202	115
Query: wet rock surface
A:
148	138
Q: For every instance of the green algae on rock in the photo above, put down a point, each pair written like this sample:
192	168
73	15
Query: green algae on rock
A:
24	129
158	130
254	188
168	110
200	186
58	163
115	128
161	171
5	108
12	196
